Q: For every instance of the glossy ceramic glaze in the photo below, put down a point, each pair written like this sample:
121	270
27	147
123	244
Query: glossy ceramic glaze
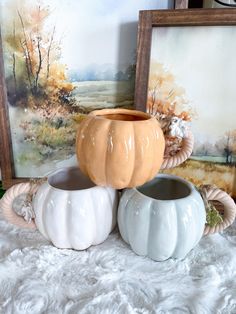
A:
163	218
119	147
72	212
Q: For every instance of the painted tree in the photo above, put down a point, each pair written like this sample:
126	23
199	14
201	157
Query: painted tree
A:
165	97
203	149
34	56
130	72
167	102
227	145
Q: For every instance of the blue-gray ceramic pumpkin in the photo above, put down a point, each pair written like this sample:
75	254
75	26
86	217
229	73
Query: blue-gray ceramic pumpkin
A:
163	218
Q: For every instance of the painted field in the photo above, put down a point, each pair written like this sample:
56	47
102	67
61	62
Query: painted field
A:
90	95
204	172
44	139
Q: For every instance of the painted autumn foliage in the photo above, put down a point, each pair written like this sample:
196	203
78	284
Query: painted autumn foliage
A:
36	78
165	101
43	117
165	97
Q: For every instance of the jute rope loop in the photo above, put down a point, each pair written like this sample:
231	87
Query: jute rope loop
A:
6	202
182	155
211	193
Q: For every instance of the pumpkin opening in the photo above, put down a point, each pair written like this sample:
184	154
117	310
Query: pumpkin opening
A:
70	179
124	117
165	189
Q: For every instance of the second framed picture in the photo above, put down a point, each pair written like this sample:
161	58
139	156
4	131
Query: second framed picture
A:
186	74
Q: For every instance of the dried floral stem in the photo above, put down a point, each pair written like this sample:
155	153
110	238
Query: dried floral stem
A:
213	216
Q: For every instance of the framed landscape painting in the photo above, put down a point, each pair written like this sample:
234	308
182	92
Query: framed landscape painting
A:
186	69
59	60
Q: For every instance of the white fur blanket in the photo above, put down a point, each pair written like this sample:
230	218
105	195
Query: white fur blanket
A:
36	277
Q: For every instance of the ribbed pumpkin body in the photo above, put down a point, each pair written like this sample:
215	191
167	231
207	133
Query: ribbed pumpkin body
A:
75	219
120	148
161	229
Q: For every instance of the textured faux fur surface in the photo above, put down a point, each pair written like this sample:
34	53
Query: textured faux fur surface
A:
36	277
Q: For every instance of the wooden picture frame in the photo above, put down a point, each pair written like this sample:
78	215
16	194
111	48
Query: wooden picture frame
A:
172	19
6	158
184	17
33	40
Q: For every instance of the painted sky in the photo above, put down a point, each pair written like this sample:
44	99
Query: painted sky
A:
95	31
203	62
99	31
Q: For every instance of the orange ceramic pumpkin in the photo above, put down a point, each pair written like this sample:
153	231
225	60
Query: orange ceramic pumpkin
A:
120	147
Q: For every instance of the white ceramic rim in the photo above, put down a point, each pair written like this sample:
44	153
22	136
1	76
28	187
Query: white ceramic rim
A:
55	172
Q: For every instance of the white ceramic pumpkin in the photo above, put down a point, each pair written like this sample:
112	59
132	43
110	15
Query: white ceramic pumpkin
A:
166	217
71	211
